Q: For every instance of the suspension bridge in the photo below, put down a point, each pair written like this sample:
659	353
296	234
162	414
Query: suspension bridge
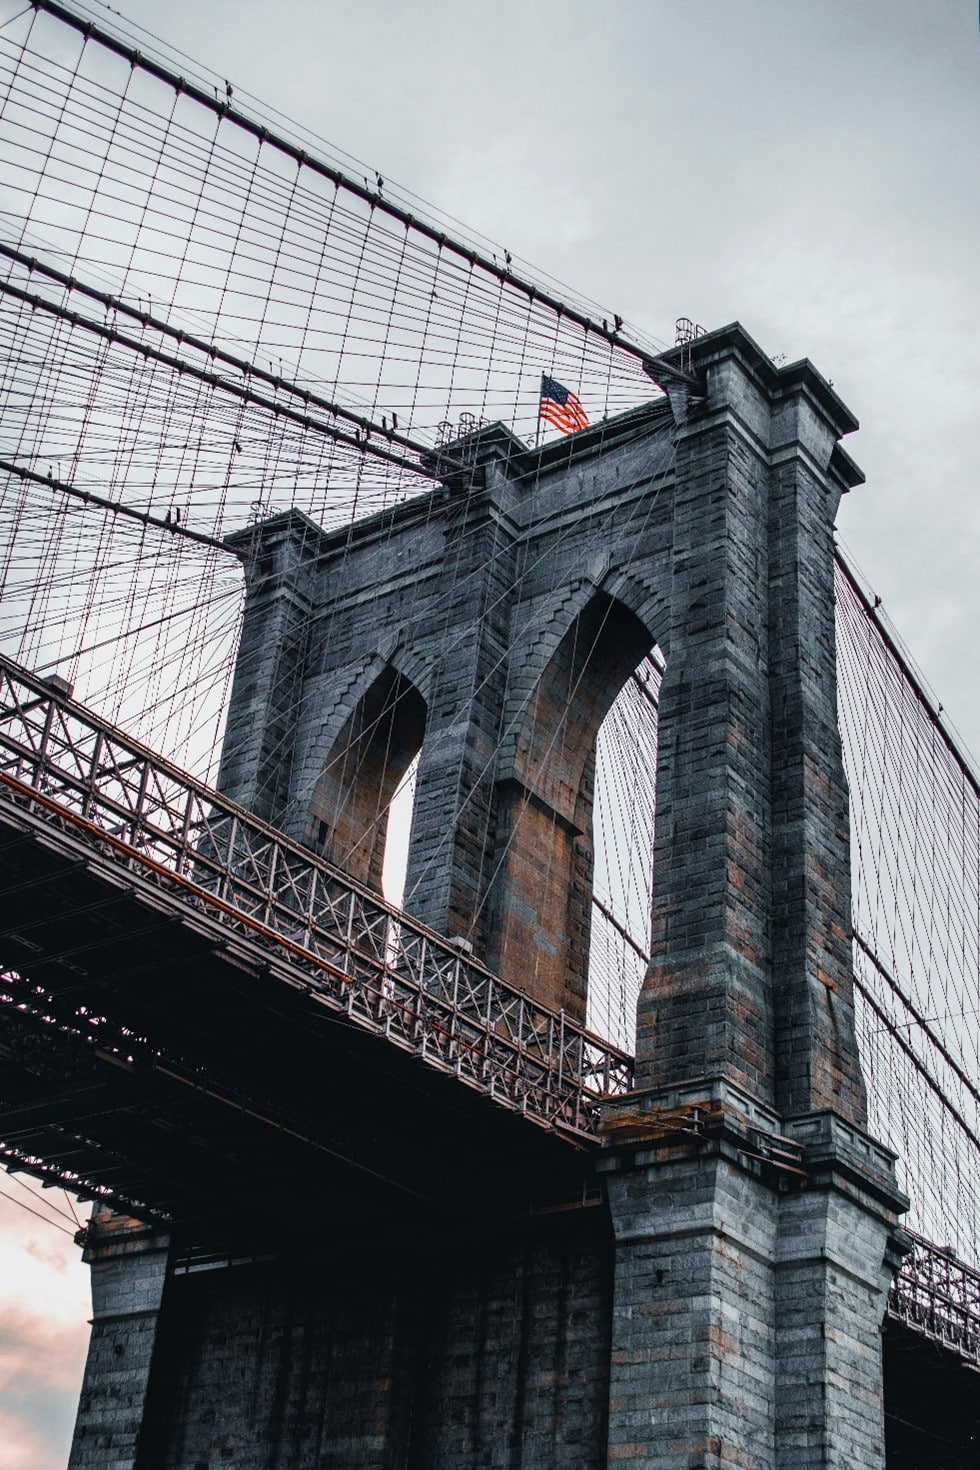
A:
284	553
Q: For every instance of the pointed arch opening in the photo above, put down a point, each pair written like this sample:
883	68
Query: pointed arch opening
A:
369	768
544	889
624	817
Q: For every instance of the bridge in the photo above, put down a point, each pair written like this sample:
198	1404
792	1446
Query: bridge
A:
102	837
96	812
562	1238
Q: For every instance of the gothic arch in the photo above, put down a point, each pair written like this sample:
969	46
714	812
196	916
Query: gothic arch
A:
369	756
648	605
542	891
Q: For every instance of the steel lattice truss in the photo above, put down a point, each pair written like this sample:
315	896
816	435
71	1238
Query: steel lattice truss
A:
938	1296
363	958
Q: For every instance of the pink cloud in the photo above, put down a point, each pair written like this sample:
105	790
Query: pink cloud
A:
44	1307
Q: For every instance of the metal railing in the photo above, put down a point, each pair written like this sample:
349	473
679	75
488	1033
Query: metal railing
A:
361	957
938	1295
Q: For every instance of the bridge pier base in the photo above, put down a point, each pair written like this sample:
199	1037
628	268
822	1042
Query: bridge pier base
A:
129	1269
752	1267
692	1352
838	1248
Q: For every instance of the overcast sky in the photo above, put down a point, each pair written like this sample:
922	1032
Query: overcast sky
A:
808	167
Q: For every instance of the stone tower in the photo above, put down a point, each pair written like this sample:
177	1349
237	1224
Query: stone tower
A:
719	1304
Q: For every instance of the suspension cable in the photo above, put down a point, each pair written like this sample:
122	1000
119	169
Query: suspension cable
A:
374	198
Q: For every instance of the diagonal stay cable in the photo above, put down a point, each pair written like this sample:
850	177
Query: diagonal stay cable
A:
916	1061
919	1019
31	1211
354	440
117	507
190	610
904	663
249	370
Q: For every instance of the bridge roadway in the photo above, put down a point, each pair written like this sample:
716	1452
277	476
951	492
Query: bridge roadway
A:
202	1022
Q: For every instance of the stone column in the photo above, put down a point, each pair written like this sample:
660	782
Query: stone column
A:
836	1253
267	693
129	1269
816	1056
451	857
707	1005
753	1216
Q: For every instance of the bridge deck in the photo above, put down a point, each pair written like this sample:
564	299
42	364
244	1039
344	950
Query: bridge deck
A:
135	814
214	1016
210	1008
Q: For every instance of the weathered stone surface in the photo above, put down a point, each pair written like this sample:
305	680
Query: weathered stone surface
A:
129	1270
725	1312
493	629
495	1356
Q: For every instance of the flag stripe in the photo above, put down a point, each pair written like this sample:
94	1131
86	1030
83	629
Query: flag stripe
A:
560	407
568	423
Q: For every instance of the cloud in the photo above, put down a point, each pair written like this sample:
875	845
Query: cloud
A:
39	1380
44	1307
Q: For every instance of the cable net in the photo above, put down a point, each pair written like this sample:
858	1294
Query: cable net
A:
623	824
915	823
207	320
207	317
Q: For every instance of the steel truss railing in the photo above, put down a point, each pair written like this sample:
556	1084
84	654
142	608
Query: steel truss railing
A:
938	1295
363	958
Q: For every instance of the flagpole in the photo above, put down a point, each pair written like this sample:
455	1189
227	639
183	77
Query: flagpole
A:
537	429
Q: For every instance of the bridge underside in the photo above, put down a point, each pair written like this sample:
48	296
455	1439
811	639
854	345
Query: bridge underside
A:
932	1403
213	1090
380	1268
357	1255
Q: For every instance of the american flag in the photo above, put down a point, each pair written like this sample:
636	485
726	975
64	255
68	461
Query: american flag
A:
561	408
